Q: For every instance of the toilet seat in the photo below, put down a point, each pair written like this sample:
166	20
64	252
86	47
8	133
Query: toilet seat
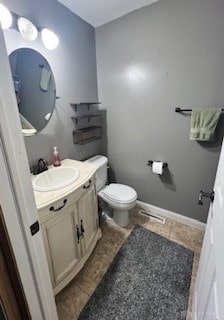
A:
119	193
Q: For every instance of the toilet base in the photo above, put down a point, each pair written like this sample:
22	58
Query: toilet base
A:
121	217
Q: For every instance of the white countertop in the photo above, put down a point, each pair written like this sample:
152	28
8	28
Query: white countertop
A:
86	170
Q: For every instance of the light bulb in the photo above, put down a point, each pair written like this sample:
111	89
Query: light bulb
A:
5	17
49	39
27	29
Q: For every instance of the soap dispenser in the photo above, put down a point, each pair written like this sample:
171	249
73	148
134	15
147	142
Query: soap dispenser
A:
56	160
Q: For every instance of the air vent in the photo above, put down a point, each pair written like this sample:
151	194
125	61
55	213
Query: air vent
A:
152	216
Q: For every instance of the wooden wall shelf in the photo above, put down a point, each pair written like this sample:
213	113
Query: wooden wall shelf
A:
89	133
86	116
86	135
81	104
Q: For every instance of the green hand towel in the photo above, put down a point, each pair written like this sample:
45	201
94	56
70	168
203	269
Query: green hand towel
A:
45	79
203	123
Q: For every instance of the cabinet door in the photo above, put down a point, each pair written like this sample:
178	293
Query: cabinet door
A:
63	247
88	218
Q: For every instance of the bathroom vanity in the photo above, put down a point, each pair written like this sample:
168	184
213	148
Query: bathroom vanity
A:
69	223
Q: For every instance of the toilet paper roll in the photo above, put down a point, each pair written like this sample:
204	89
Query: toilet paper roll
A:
157	167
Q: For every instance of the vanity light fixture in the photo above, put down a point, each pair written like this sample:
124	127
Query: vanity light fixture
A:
5	17
49	38
27	29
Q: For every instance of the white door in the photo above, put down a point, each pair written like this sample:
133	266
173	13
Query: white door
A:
208	301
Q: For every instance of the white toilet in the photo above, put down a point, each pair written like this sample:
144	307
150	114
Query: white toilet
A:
118	196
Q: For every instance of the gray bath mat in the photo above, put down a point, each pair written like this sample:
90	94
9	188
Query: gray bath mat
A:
149	279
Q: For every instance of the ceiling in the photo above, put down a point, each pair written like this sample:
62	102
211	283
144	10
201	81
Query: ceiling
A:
99	12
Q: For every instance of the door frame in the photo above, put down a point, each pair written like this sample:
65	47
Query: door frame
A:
18	203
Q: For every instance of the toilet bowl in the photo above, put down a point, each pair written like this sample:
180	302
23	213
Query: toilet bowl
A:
119	197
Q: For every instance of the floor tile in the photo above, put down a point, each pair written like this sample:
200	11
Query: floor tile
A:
70	303
86	284
186	236
95	268
107	251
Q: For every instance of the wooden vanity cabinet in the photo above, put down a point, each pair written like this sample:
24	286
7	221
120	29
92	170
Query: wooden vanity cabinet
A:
70	230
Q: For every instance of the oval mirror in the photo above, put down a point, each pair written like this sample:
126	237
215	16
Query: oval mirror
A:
34	87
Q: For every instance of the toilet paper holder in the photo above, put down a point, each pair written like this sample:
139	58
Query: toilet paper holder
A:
150	162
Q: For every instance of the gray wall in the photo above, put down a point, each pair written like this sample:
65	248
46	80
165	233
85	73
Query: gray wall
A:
169	54
74	66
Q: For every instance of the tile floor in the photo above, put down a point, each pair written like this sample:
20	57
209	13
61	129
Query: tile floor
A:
73	298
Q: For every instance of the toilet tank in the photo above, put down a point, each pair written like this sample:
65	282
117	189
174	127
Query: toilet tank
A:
101	173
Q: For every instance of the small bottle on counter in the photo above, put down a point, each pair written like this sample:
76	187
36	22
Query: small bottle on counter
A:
56	160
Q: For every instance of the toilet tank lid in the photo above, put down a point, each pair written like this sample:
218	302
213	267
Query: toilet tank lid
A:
98	160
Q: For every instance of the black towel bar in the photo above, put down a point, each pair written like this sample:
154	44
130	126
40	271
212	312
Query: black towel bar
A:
179	110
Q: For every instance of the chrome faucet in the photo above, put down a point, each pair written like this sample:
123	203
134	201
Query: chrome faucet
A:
40	167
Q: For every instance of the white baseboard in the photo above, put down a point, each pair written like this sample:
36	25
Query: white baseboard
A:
172	215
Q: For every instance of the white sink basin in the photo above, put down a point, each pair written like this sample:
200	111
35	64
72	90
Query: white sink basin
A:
55	178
